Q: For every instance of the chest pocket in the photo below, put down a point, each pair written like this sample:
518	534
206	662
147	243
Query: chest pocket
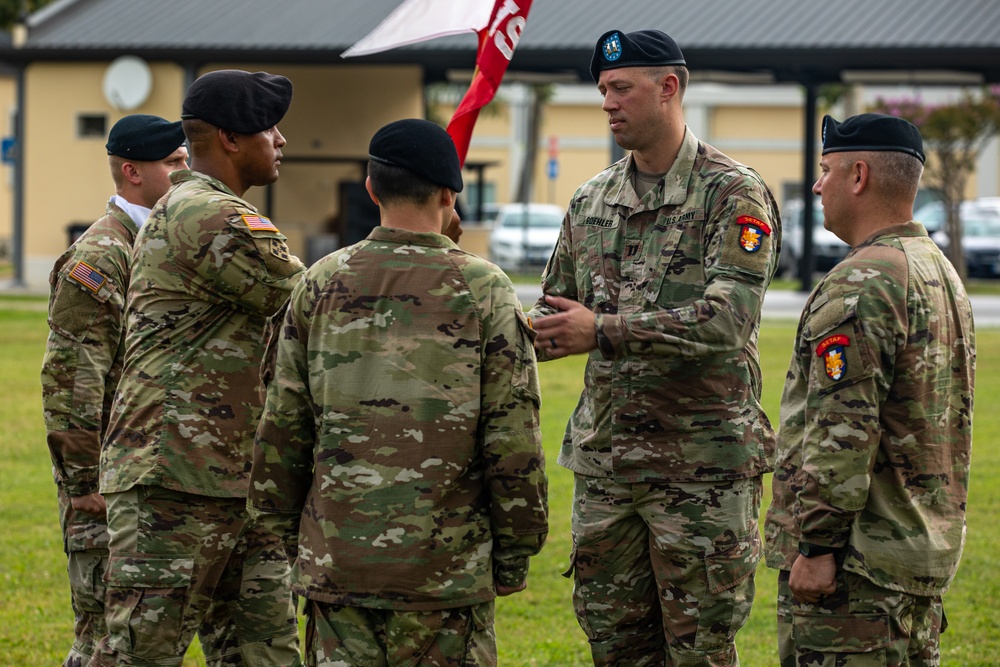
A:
675	273
836	346
600	256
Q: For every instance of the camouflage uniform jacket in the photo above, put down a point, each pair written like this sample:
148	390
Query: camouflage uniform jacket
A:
85	348
400	453
677	280
207	272
876	417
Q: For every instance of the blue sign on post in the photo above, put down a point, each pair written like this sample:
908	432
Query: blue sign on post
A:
553	169
8	150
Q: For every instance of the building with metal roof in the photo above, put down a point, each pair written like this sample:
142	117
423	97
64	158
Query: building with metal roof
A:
788	40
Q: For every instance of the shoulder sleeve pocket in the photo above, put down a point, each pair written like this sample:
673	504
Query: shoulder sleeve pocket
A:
526	365
75	306
838	350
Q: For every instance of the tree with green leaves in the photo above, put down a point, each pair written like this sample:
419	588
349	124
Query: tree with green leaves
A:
11	10
954	134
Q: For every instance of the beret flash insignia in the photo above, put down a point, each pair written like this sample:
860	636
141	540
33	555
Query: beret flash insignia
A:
612	48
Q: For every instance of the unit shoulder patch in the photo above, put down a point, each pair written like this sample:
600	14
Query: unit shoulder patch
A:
280	250
832	351
752	232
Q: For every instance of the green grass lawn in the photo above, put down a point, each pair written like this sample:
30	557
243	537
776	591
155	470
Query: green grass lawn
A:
535	627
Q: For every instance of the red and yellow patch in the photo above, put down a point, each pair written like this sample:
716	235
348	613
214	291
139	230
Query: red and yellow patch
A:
753	232
834	356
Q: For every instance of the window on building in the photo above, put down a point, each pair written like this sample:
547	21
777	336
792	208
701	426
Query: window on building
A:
470	197
91	125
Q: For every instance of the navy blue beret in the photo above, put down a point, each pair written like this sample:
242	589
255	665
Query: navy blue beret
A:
145	138
419	146
643	48
239	101
872	132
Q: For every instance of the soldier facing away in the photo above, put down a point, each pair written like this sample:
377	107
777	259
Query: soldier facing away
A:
867	522
85	350
658	276
208	270
399	455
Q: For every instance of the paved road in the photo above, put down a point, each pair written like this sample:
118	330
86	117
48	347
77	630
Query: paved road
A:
780	304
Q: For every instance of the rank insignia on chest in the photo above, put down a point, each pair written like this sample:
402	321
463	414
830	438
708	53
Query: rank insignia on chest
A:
834	356
280	250
88	276
753	232
259	223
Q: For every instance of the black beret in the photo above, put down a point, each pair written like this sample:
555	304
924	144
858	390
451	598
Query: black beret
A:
644	48
419	146
872	132
239	101
145	138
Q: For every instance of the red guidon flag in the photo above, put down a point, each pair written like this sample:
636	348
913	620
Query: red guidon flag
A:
498	23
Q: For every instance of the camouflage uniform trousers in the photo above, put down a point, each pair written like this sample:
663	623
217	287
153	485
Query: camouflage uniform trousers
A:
85	541
860	624
338	636
182	563
664	571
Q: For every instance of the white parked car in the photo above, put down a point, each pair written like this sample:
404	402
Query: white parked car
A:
980	243
524	235
932	214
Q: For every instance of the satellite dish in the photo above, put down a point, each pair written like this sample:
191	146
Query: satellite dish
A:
127	82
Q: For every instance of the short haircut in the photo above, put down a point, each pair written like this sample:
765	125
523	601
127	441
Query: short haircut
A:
395	184
682	73
116	162
896	176
197	132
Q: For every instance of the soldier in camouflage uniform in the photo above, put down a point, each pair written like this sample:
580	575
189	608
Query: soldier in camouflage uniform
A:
208	270
867	522
658	276
400	454
83	357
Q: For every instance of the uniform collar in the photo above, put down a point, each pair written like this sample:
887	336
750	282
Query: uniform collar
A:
674	190
136	213
122	216
908	229
411	238
183	175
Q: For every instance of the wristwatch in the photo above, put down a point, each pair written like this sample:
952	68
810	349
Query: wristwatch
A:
813	550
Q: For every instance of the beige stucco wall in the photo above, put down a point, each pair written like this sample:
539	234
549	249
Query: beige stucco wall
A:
334	112
765	137
67	178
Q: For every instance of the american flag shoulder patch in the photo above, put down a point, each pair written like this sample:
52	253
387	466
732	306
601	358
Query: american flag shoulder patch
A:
259	223
88	276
